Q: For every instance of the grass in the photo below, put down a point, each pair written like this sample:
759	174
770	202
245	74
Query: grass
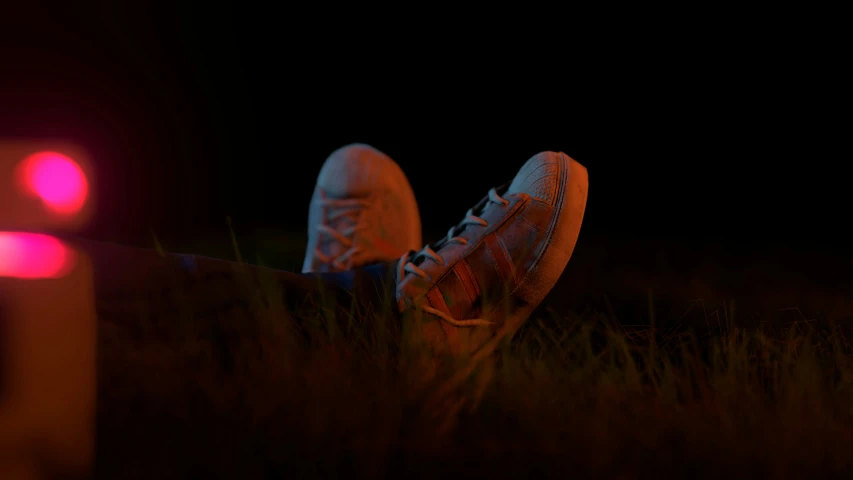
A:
261	391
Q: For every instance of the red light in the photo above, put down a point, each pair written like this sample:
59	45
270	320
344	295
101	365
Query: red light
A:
56	179
32	256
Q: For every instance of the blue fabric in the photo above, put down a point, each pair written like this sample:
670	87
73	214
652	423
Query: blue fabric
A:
121	270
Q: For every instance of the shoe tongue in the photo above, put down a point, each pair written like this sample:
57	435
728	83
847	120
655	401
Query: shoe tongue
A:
459	228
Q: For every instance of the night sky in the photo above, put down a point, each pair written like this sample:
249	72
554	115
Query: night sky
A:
193	114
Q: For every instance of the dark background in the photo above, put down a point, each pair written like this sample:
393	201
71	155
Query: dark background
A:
198	112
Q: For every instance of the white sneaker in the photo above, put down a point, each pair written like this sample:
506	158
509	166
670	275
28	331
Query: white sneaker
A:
500	261
363	211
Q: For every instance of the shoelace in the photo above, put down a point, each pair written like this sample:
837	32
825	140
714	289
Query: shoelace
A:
409	263
335	209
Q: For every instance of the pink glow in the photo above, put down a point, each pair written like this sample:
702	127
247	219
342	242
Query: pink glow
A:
56	179
32	256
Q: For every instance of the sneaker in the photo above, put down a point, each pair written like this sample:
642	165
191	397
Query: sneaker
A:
363	211
496	265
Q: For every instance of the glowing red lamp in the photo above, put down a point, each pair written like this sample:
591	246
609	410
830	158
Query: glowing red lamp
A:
56	179
32	256
44	186
48	325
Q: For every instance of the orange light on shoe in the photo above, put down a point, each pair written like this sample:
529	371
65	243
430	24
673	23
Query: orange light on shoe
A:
32	256
56	179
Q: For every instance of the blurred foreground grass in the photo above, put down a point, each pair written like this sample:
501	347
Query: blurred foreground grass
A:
576	393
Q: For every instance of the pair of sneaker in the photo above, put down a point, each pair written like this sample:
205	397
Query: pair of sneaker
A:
491	269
